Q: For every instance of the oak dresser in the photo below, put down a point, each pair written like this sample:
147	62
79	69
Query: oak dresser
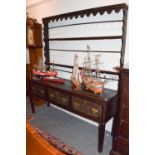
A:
96	107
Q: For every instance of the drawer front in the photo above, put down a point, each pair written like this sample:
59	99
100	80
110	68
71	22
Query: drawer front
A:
124	100
121	145
59	97
86	107
38	90
125	114
125	84
124	130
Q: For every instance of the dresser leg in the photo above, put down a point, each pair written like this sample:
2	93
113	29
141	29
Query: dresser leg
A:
32	105
33	109
113	127
48	104
101	130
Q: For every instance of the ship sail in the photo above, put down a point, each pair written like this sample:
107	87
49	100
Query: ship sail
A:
76	77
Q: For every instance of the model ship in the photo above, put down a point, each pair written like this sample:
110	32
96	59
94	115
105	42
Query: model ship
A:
40	71
76	77
92	83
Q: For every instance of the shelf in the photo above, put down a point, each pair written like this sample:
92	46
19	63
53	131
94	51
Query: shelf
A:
70	50
69	66
84	38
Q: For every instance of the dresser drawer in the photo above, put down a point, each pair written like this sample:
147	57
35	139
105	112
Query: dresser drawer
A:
124	100
121	145
124	130
125	114
125	84
86	107
38	90
59	97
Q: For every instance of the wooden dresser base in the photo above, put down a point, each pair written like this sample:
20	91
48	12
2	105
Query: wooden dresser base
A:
99	108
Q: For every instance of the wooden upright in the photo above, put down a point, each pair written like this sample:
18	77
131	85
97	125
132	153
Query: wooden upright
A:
34	45
120	144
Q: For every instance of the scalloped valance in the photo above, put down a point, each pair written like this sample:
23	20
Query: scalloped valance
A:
87	12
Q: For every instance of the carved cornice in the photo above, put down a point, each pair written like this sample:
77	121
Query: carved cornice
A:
87	12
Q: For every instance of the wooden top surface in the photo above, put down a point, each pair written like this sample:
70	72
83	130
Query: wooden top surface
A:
67	86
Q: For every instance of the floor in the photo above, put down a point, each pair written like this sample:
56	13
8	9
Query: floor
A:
73	131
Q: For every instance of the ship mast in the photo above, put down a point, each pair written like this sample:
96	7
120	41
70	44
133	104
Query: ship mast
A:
97	62
88	62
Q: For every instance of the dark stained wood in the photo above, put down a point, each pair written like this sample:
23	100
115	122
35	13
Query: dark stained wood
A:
69	66
101	130
38	35
83	38
108	21
87	12
35	51
27	79
68	50
124	29
97	107
111	110
31	100
48	104
115	153
81	13
46	47
67	87
35	55
124	129
120	144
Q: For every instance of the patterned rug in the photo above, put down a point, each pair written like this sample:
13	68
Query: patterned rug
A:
57	143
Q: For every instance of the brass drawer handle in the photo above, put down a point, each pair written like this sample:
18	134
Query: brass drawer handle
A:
41	91
51	96
64	99
94	110
33	88
76	104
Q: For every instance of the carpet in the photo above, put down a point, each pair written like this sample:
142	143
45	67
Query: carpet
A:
75	132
